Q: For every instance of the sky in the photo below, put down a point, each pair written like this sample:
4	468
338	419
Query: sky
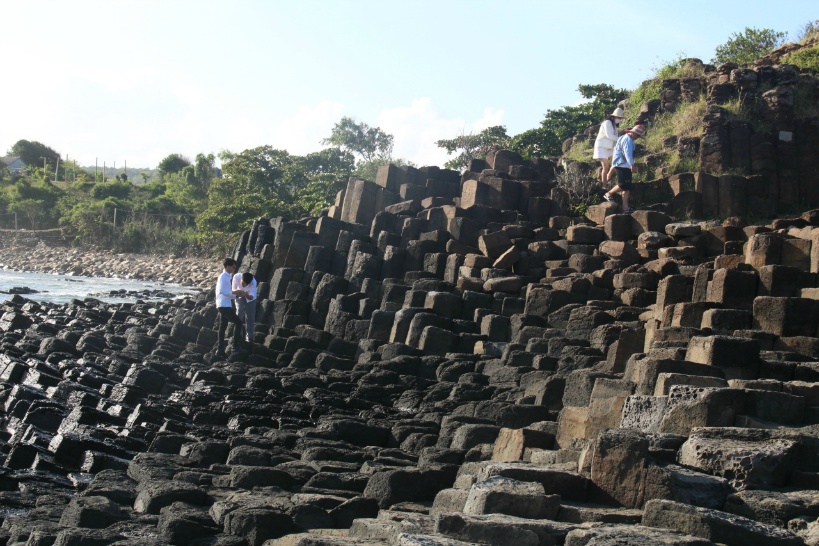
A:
132	81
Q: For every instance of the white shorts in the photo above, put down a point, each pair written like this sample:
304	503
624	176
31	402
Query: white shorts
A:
603	153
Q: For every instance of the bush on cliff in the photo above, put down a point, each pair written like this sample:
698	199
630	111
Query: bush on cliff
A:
748	46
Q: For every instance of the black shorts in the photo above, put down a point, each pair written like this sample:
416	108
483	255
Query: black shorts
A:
623	178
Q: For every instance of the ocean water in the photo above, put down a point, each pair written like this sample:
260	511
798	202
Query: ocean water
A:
64	288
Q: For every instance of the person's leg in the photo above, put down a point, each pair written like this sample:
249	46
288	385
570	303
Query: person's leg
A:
250	319
223	322
241	306
626	194
237	326
623	180
604	171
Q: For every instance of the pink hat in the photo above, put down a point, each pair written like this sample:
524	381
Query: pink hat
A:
637	130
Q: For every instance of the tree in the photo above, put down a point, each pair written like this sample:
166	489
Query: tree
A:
326	174
745	48
32	153
473	146
35	197
173	163
189	187
117	188
369	143
31	208
563	123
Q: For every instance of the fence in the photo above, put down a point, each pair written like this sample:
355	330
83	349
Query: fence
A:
119	217
10	220
115	216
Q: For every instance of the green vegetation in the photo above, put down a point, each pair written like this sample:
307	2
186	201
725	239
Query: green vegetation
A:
189	205
369	143
805	58
563	123
750	45
804	101
650	89
471	146
809	32
582	189
35	154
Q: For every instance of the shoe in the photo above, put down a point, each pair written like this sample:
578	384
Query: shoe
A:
608	198
628	211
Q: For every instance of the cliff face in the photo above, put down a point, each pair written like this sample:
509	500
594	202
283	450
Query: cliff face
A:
757	123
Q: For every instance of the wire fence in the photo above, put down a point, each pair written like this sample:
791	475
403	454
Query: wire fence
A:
118	217
10	220
115	216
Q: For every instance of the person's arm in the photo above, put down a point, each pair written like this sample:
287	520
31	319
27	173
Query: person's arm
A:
629	152
609	131
250	291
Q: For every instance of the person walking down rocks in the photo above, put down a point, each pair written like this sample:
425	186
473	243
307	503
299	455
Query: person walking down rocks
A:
605	141
244	287
623	165
224	304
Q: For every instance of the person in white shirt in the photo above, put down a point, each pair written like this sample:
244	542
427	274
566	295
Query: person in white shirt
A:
244	286
605	141
224	304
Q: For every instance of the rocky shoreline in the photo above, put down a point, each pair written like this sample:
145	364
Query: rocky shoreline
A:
198	272
432	374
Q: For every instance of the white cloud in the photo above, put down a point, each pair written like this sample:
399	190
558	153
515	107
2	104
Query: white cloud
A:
418	126
302	132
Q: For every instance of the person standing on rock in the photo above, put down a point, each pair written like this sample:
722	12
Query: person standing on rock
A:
623	164
224	304
244	286
605	141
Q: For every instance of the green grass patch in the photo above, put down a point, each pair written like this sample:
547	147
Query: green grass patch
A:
805	58
650	89
740	110
581	152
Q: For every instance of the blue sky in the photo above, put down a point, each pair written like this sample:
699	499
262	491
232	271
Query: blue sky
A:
120	80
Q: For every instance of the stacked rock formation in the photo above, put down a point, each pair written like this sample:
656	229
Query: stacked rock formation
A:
439	360
760	167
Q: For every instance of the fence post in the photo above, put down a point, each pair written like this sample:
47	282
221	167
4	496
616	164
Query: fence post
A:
15	221
115	217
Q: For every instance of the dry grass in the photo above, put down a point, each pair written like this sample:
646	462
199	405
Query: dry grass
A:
685	122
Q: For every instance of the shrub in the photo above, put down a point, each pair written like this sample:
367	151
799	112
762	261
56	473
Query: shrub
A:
749	46
804	58
582	189
651	88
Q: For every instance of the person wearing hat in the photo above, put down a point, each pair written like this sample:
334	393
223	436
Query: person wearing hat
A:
623	164
605	141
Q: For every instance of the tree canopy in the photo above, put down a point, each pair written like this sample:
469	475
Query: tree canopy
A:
473	146
748	46
563	123
33	153
173	163
368	143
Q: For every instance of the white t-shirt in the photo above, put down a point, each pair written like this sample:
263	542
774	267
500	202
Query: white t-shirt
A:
250	288
224	294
